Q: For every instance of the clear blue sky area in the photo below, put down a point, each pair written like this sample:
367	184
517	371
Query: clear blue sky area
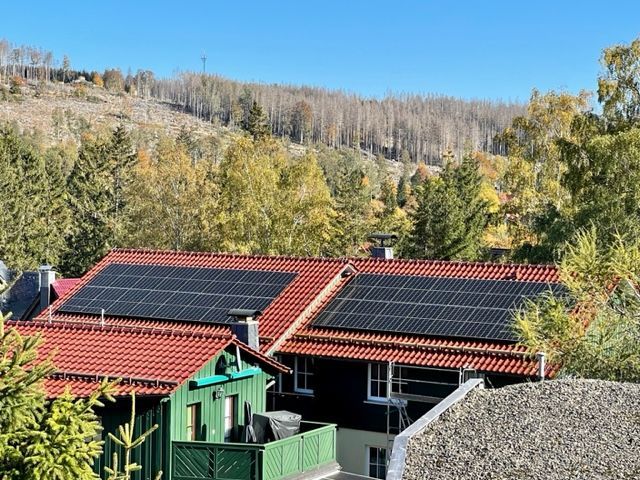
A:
471	49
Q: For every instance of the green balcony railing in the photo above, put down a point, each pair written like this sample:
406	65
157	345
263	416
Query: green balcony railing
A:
314	447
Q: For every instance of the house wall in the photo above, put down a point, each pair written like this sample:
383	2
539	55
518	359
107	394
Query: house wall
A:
170	413
352	448
212	400
340	396
153	454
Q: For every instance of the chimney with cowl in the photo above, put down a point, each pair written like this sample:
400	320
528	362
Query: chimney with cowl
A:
245	326
47	277
383	251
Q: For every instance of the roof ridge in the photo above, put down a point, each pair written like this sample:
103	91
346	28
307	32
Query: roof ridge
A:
537	266
187	253
347	260
84	325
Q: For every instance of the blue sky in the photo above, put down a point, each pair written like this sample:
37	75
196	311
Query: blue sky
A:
471	49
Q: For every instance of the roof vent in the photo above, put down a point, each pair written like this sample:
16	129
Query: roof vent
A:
246	326
383	251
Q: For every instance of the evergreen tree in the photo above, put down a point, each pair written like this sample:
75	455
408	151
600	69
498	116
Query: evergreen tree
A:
33	209
438	224
352	204
91	193
257	123
128	442
450	216
42	440
121	158
468	182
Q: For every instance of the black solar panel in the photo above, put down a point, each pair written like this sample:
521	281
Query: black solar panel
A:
447	307
176	293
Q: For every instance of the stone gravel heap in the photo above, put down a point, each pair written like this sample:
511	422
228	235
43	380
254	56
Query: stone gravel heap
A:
562	429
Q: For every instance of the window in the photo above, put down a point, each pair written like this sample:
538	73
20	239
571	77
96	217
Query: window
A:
303	375
377	382
193	422
377	462
230	414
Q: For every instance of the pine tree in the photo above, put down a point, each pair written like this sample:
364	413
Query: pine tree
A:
475	208
122	158
42	440
450	216
257	124
438	226
128	443
33	203
352	201
91	191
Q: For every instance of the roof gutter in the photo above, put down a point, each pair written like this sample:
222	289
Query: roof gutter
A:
123	380
400	443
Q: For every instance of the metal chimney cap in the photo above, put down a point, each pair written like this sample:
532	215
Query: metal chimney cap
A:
383	236
45	268
244	313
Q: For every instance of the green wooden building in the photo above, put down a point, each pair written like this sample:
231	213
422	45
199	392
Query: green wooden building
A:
195	383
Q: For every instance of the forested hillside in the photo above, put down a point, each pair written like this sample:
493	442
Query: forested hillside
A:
400	126
422	127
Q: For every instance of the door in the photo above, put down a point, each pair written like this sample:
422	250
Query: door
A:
230	414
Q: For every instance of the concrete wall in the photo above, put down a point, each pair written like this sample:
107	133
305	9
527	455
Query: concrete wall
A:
351	448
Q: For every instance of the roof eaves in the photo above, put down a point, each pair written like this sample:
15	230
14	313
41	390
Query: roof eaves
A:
259	356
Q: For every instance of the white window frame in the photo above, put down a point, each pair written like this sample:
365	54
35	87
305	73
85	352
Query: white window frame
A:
368	463
307	373
381	367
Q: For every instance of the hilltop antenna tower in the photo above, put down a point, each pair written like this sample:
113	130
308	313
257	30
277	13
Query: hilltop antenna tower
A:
203	57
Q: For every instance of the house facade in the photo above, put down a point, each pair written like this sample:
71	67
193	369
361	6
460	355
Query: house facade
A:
374	383
366	344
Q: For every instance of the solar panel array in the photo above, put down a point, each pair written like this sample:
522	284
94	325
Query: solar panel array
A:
436	306
176	293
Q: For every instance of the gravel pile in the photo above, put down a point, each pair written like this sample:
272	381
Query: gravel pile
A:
564	429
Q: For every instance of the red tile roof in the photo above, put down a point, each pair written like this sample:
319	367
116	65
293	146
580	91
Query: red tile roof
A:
63	285
285	324
154	361
479	270
313	276
496	357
